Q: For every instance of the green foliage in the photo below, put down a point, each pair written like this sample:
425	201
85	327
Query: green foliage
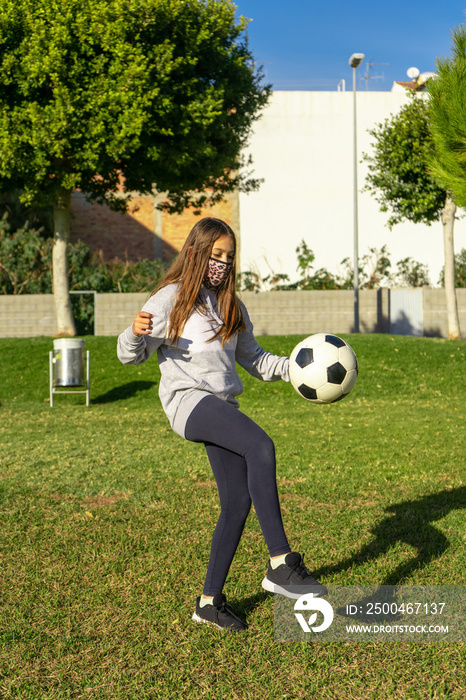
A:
374	272
96	93
26	268
397	176
310	279
447	98
412	274
40	218
306	259
251	281
88	271
248	281
460	270
25	260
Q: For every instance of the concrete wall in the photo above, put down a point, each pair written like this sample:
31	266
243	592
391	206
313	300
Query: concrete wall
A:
304	313
272	313
435	315
27	315
115	312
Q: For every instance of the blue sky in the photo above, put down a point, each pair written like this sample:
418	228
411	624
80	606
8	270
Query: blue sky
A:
306	44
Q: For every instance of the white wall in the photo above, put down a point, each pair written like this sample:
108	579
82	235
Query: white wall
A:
303	148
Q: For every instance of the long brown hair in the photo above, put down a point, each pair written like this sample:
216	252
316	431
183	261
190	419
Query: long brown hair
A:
188	272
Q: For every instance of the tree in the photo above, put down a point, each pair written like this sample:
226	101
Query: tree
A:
400	179
460	270
116	96
447	95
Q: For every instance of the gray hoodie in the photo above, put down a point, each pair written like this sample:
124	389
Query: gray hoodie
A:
195	368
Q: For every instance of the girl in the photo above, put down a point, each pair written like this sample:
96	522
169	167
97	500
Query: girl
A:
200	329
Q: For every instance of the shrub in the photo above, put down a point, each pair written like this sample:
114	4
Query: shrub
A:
26	268
25	260
460	270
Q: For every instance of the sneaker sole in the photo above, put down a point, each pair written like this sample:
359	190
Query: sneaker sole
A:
275	588
198	618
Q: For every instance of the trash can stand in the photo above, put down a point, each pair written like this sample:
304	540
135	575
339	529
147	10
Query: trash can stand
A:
53	388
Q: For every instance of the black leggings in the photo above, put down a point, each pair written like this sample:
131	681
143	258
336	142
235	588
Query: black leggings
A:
242	457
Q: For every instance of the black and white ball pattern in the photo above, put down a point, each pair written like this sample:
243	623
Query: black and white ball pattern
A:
323	368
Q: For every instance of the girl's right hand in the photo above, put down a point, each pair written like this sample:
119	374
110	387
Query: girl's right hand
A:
142	323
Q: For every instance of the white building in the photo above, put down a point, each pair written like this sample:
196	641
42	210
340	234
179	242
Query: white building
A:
303	149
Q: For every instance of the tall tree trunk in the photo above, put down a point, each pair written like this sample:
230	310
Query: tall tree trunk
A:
448	222
61	235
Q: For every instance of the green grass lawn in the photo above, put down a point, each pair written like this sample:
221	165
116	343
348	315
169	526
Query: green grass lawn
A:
106	519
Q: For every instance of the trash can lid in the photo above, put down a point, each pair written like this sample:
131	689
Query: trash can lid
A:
68	343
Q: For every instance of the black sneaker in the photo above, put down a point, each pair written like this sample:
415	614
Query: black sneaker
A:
292	579
219	614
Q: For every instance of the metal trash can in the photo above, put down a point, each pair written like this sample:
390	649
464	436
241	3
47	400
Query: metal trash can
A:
66	368
69	361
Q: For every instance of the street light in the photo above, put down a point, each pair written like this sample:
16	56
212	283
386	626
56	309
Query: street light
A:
354	61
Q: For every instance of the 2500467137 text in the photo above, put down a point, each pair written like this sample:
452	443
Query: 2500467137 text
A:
393	608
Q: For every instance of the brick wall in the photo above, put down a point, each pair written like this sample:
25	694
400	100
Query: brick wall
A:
116	235
142	232
177	226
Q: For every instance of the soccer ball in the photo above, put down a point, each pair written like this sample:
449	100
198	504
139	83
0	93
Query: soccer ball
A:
323	368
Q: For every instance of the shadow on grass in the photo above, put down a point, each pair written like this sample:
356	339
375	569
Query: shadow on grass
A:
411	524
253	601
247	605
125	391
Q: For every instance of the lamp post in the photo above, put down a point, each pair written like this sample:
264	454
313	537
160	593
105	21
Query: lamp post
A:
354	61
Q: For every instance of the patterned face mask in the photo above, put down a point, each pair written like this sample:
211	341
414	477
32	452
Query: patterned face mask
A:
216	273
